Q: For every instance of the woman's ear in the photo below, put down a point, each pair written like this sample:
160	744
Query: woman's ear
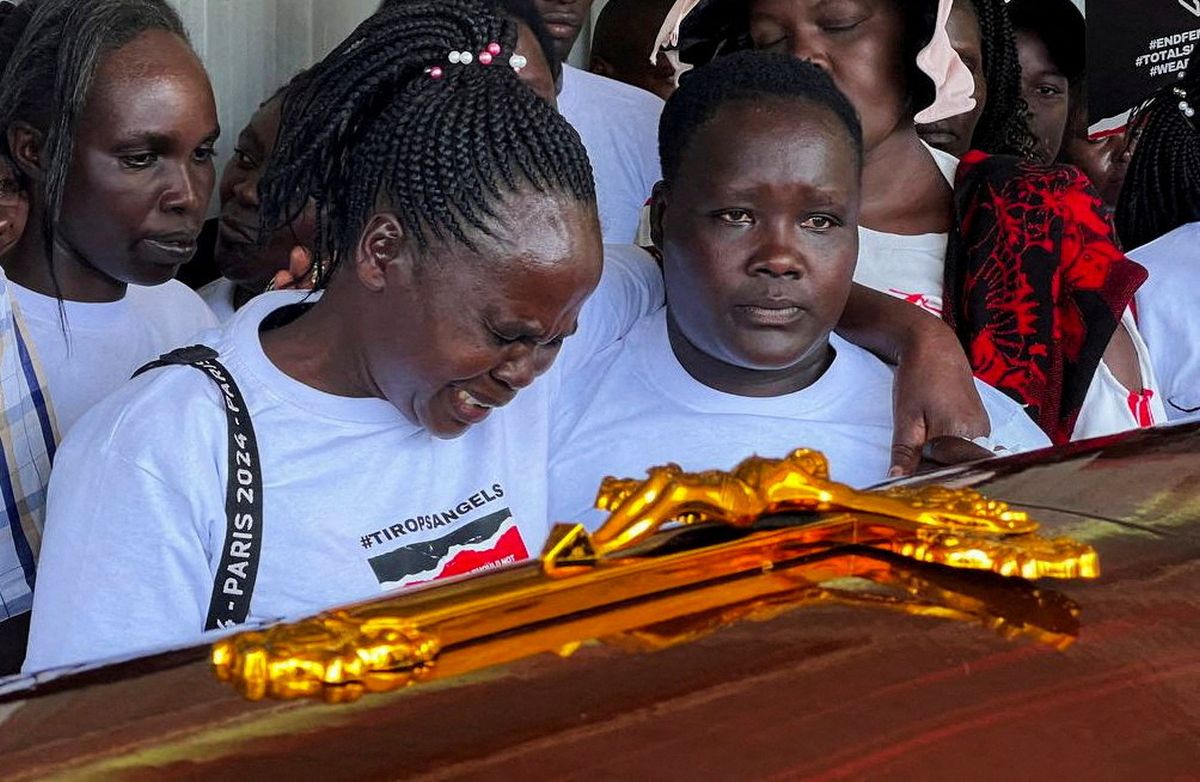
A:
25	142
658	208
380	245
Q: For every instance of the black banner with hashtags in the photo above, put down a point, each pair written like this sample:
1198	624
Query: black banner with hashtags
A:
1135	47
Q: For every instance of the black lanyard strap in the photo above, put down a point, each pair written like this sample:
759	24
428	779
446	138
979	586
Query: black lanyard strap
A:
233	584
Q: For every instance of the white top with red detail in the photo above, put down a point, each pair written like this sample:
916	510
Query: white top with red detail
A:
1170	319
912	268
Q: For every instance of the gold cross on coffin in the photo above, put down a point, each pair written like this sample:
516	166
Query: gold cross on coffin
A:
618	586
955	527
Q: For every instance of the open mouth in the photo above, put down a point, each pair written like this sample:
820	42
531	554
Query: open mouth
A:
470	409
466	398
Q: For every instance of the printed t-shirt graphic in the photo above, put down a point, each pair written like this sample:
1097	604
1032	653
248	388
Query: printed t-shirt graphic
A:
470	545
484	544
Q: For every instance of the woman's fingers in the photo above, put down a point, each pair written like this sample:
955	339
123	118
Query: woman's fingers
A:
300	266
297	275
946	451
934	396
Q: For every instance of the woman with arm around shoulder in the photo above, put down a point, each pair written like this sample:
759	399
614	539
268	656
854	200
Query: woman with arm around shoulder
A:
925	234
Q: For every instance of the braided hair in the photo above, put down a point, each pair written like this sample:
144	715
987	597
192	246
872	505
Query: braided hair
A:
49	52
1162	185
371	122
1003	127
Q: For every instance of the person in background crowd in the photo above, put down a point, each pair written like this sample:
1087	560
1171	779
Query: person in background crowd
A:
14	208
1008	299
28	439
1159	216
756	220
543	68
981	34
247	264
618	124
564	19
118	177
400	438
1050	43
622	43
1104	160
28	430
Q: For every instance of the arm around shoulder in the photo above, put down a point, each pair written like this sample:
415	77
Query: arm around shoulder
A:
631	287
934	394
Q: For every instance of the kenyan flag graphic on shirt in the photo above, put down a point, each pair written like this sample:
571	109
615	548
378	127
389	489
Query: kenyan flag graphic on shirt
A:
484	544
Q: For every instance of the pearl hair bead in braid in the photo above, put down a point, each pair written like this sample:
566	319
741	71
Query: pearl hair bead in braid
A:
485	57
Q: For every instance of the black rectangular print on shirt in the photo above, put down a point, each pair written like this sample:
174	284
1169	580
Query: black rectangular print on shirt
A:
412	560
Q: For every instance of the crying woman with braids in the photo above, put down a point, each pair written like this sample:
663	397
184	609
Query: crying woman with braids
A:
386	430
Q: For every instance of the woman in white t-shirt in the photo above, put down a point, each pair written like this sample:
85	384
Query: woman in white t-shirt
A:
756	220
894	61
118	180
457	219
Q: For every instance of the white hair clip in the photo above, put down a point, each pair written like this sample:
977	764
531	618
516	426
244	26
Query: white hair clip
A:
1185	108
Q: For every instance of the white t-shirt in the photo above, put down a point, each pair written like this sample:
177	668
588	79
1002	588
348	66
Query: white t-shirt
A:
619	127
1168	310
357	501
105	343
637	407
911	267
218	295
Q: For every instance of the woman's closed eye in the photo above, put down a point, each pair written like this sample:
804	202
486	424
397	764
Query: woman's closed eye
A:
841	25
504	340
776	45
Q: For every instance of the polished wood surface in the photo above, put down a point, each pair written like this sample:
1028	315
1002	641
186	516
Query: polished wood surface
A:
823	693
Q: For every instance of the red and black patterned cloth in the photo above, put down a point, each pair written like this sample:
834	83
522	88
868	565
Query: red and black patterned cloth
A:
1035	283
